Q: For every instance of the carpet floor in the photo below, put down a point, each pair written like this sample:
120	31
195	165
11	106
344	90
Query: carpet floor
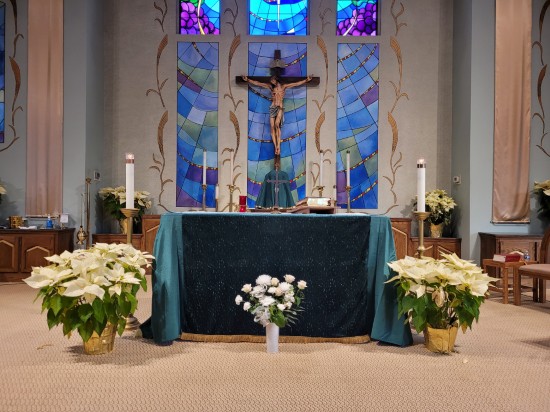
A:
503	364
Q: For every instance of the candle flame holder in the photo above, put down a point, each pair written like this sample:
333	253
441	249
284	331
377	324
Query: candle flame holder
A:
320	190
421	217
348	192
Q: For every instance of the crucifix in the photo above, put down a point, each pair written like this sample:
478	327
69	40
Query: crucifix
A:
276	182
278	86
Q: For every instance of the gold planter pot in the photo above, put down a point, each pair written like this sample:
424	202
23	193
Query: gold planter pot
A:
440	340
436	230
101	344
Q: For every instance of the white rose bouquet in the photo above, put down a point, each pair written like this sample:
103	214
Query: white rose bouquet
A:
273	301
439	293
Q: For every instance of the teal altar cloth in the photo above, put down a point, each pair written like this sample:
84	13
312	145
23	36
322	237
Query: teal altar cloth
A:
204	259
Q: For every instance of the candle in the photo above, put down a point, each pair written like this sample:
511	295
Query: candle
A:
348	169
231	167
321	154
217	192
335	194
204	167
421	185
129	180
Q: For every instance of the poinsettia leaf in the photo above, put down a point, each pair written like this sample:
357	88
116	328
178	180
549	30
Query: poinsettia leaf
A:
99	311
121	326
85	331
84	312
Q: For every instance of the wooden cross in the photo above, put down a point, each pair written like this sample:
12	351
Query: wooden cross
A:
277	182
277	69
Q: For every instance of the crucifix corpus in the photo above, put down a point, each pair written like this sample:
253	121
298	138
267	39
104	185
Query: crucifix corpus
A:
278	86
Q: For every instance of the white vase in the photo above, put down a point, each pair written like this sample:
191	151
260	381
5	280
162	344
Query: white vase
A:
272	338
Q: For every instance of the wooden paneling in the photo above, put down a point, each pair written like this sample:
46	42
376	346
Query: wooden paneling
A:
437	245
150	225
20	250
401	228
117	238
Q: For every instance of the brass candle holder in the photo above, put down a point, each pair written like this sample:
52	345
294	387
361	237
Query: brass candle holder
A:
131	321
232	188
421	217
203	208
348	192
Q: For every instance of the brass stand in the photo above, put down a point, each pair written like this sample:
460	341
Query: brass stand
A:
421	217
231	190
320	190
203	198
348	190
131	322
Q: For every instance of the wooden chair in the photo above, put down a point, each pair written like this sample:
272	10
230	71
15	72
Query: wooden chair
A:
540	272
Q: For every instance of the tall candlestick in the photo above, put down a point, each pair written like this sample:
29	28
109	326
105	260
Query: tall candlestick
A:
204	167
129	180
348	167
421	185
231	167
321	154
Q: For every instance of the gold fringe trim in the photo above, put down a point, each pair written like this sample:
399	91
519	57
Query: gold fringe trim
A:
193	337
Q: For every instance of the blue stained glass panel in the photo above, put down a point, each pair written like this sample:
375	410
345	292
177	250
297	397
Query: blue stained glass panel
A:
357	124
261	152
197	123
357	18
278	17
199	17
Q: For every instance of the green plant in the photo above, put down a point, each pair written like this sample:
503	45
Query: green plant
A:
439	293
114	199
542	190
85	289
272	301
440	206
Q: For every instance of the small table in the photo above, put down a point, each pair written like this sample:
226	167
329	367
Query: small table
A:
503	270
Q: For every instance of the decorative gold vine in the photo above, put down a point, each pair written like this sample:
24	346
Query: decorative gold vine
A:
542	74
321	119
160	163
232	152
17	76
395	164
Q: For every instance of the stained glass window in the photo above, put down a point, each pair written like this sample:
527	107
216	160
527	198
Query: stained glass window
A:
261	152
357	124
197	123
356	18
199	16
2	68
278	17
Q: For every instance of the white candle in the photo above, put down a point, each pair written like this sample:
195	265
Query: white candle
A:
335	192
321	154
231	167
348	169
217	192
204	167
421	185
129	180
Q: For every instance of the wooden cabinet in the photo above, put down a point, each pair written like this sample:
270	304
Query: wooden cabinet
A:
435	246
502	243
401	228
20	250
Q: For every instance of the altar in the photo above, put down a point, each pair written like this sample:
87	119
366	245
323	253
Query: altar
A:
203	259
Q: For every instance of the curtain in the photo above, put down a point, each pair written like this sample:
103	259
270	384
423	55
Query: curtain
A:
512	111
45	107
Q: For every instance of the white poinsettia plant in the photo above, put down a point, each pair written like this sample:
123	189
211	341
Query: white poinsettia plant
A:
439	293
114	199
2	192
86	289
542	189
440	205
273	301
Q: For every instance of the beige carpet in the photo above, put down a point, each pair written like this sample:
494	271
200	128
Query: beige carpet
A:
502	365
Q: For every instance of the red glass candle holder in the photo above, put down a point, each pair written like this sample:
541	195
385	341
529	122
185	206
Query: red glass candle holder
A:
242	203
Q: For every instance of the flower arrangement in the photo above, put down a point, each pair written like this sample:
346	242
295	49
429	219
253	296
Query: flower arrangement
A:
439	293
272	301
542	189
2	192
440	205
86	289
114	200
